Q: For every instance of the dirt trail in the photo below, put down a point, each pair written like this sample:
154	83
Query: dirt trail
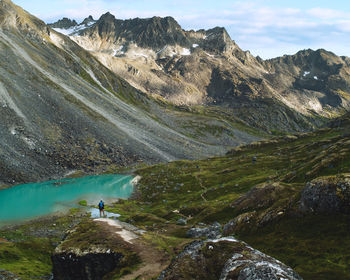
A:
153	260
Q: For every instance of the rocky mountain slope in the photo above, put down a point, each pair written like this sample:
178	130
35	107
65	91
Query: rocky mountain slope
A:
62	110
206	67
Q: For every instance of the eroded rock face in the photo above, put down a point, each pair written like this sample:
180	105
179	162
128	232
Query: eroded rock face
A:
91	251
88	266
326	195
225	259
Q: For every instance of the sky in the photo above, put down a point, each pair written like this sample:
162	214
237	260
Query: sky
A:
268	28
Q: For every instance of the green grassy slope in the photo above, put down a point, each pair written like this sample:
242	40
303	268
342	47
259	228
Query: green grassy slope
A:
205	191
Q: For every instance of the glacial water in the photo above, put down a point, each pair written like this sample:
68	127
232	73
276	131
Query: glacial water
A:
24	202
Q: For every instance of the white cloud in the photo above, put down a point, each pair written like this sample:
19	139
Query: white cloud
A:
326	14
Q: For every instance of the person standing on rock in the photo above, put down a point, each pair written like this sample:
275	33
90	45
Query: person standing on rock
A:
101	206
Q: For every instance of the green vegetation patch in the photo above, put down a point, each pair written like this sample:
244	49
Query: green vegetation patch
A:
317	247
25	250
27	259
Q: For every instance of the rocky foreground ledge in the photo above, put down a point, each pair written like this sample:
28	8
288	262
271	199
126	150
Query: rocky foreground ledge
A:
108	249
226	259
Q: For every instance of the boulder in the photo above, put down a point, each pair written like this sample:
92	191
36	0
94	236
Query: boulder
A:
181	222
326	195
225	259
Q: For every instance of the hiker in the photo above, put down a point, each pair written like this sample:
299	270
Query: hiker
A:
254	159
101	206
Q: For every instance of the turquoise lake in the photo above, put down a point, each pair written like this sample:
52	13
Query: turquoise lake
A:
24	202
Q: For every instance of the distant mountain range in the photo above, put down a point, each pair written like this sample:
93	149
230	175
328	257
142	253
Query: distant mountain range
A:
206	67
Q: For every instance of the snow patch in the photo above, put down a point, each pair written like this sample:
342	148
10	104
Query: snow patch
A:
315	77
195	46
306	73
230	239
74	29
118	51
185	51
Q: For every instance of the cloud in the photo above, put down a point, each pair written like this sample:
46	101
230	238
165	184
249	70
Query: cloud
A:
327	14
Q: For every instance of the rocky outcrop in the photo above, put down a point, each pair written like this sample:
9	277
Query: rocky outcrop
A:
6	275
88	21
326	195
212	231
91	251
260	206
64	23
226	259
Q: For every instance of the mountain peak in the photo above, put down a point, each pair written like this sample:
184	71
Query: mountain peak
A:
107	16
87	21
64	23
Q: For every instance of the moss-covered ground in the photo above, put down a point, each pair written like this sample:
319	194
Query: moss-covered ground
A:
204	191
25	250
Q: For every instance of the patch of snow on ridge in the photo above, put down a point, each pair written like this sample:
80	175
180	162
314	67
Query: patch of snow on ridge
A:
195	46
229	238
185	51
306	73
315	77
72	30
118	51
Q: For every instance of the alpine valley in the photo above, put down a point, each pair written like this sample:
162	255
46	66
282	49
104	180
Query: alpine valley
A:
226	149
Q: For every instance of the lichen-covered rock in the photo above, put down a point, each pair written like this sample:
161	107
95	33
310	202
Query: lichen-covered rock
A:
213	231
6	275
326	195
226	259
91	251
181	222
